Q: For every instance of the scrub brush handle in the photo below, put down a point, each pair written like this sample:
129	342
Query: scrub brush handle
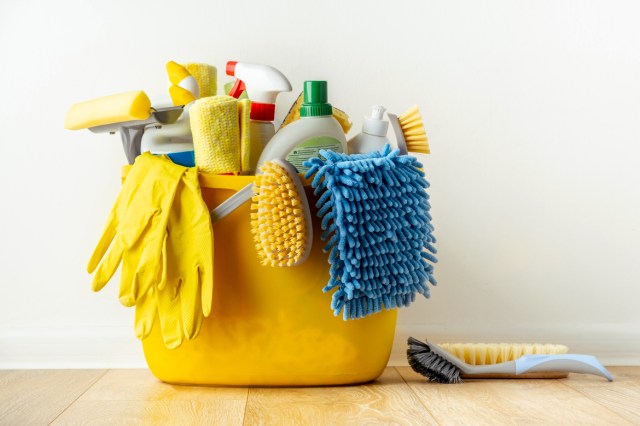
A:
572	363
232	203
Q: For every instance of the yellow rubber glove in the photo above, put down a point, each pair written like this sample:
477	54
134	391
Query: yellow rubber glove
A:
185	292
189	254
136	228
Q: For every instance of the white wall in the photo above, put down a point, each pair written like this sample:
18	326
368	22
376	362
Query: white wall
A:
533	112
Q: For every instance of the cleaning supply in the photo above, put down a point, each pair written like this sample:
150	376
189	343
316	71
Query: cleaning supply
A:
263	84
159	230
175	140
136	228
247	165
294	114
127	106
375	216
494	353
189	255
315	130
439	365
206	77
183	88
128	114
409	131
374	133
280	214
216	134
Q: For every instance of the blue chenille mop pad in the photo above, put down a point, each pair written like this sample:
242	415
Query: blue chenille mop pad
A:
375	216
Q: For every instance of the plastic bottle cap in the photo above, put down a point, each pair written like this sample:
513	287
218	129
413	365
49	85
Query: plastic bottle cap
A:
375	125
262	112
315	100
231	68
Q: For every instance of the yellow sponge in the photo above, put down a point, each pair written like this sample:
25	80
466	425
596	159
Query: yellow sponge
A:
206	75
248	155
280	216
294	114
216	135
108	110
180	96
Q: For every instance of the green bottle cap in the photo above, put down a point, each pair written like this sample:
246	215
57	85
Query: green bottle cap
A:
315	100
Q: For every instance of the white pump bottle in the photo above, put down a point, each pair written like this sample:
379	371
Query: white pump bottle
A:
374	133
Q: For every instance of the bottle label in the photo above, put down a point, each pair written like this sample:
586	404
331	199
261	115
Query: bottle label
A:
311	148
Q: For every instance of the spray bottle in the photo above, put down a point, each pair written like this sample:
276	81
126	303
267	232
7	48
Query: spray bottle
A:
315	130
374	133
262	83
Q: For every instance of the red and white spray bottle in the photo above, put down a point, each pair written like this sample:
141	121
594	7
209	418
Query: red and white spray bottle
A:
262	83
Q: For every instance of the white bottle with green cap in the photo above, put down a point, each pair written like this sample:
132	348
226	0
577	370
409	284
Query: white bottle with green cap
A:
315	130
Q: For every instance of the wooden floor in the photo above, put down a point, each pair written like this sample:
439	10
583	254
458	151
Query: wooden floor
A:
400	396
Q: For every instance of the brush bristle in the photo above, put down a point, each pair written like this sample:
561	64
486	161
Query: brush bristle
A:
278	221
414	132
495	353
431	365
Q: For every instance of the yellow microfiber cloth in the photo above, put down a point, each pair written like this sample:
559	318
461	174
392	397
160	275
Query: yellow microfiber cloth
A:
216	134
206	75
248	155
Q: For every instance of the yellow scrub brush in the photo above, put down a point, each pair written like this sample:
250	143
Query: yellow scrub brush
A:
410	133
280	215
452	363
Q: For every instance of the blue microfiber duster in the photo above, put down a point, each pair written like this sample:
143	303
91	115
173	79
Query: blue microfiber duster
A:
375	214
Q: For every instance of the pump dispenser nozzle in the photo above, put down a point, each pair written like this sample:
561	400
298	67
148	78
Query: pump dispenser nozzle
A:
263	83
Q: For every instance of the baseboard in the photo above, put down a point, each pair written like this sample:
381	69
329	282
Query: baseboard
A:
70	347
116	347
613	344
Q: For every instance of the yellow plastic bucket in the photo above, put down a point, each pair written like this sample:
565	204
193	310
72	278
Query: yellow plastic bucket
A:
270	326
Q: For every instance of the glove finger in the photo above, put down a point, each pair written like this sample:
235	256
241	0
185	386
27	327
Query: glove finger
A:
170	316
201	233
145	314
149	269
190	300
163	264
135	246
106	238
108	267
205	271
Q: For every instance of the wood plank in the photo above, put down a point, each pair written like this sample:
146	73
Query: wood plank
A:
621	396
184	412
521	401
141	385
137	397
387	400
39	396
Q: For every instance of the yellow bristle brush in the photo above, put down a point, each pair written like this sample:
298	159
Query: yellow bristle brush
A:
450	363
280	217
410	133
280	214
